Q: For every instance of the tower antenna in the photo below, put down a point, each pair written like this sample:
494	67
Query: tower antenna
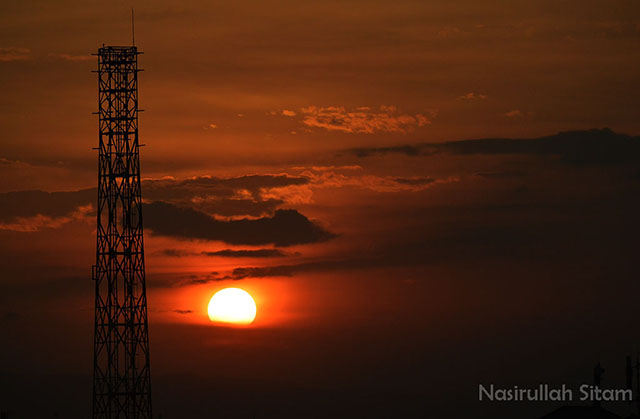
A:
121	374
133	29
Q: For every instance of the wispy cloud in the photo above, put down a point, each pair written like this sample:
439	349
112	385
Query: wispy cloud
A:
14	54
329	179
448	32
7	162
327	168
40	221
362	120
518	114
183	311
70	57
473	96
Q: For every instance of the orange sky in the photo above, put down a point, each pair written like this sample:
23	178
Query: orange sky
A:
473	69
310	153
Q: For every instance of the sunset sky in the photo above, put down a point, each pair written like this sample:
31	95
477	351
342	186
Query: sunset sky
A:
420	196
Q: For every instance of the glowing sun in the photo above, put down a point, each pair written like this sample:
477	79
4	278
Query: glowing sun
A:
232	305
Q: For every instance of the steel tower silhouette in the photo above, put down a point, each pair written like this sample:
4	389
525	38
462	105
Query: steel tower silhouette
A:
121	377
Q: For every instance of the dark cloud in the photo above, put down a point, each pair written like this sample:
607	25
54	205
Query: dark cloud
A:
417	181
597	146
591	147
408	150
226	197
284	228
177	253
186	216
506	174
54	204
230	253
544	235
183	311
258	253
196	280
355	262
268	271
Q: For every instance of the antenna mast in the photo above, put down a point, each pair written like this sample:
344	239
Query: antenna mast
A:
133	29
121	375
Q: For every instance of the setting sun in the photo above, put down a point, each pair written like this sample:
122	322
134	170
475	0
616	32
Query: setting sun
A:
232	305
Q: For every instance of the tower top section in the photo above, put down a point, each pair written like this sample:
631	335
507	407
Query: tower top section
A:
117	54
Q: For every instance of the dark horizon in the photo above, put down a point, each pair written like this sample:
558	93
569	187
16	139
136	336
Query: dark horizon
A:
418	199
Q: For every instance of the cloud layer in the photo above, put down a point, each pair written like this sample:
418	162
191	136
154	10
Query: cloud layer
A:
285	228
363	120
14	54
597	146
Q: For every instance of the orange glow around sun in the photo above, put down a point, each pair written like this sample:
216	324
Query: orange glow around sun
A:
232	305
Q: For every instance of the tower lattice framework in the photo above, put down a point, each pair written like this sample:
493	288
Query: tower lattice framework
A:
121	377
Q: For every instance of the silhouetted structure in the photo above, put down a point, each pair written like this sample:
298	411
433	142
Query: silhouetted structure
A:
630	369
581	412
121	378
596	411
